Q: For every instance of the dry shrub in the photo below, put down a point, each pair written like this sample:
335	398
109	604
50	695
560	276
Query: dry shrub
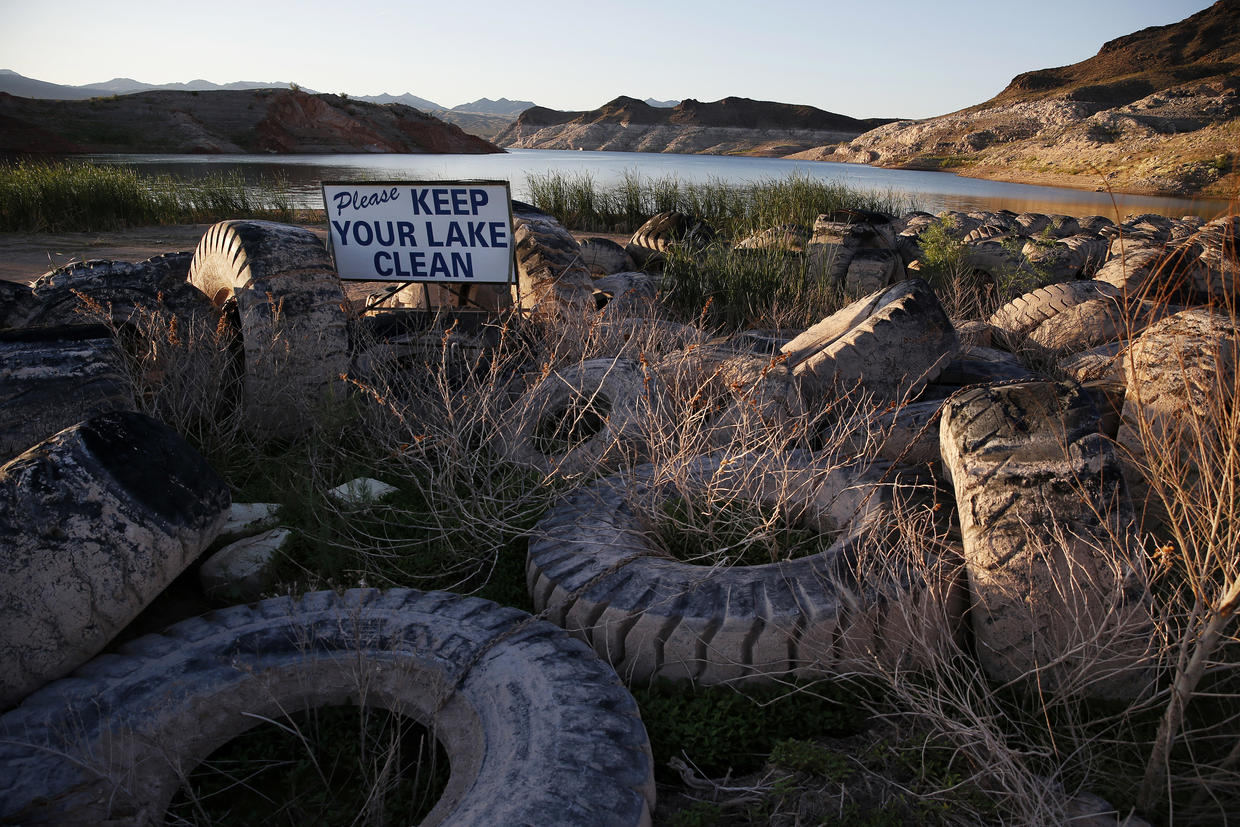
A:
423	414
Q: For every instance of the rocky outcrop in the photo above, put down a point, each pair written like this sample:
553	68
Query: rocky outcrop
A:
1167	127
261	120
728	126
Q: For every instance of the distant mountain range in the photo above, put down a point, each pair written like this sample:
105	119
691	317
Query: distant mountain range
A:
24	87
483	117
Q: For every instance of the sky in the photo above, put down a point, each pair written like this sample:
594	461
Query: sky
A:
882	58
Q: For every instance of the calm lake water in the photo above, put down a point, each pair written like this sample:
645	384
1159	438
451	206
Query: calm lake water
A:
930	191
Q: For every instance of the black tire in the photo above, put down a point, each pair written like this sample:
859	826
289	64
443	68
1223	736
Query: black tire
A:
17	304
552	278
96	521
292	314
54	377
596	570
1023	313
119	292
538	730
663	231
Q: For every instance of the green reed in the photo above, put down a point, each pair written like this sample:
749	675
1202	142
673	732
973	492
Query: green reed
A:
581	203
38	196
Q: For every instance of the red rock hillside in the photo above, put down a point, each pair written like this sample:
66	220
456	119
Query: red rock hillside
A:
261	120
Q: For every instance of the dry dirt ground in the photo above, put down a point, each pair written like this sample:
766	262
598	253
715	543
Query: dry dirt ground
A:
26	256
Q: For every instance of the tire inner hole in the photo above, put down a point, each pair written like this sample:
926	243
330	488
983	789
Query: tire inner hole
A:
567	425
327	765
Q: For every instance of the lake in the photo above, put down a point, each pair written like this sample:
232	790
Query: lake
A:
930	191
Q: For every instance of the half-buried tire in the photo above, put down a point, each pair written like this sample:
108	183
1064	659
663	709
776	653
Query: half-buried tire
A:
577	417
889	344
597	569
292	311
537	729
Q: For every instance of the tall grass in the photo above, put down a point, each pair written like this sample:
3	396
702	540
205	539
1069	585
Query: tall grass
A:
580	203
73	196
721	288
955	746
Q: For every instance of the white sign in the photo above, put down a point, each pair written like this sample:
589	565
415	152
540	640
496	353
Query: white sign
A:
449	231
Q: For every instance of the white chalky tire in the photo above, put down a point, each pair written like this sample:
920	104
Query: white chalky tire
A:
730	388
580	416
1049	539
292	309
95	522
538	730
890	344
595	569
1022	314
1097	322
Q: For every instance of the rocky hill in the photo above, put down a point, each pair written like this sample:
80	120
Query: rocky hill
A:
1156	111
262	120
729	126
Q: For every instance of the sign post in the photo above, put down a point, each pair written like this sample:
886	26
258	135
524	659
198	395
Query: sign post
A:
456	232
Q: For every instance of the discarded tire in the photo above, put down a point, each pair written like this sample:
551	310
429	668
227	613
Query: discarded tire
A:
54	377
1136	272
538	730
17	304
97	521
626	294
723	388
1023	313
1097	322
652	240
595	568
1049	540
119	292
1180	374
890	344
552	278
602	256
1218	275
292	312
578	417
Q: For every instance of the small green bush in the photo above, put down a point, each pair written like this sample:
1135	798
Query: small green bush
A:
803	756
722	730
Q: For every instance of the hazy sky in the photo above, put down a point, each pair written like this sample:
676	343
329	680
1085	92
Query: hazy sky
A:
908	58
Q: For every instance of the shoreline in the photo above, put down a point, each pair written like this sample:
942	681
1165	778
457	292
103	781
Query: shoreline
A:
1085	183
1013	175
